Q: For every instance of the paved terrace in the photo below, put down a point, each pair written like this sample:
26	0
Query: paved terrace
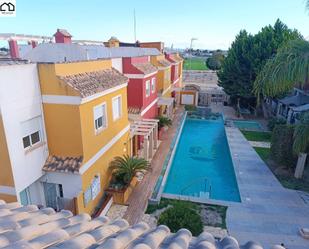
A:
268	213
139	198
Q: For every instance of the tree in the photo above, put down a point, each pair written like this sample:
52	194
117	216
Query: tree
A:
247	57
215	61
125	168
288	69
301	144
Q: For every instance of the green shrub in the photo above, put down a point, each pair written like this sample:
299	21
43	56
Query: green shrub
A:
182	215
275	121
281	149
164	122
190	108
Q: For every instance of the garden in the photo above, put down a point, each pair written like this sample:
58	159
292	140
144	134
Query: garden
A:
286	144
177	214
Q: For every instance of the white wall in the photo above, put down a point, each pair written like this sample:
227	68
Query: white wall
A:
71	183
20	100
117	64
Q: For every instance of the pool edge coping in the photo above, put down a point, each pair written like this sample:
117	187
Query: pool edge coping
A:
166	173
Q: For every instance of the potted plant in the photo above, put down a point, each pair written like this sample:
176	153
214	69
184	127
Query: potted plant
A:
164	123
124	170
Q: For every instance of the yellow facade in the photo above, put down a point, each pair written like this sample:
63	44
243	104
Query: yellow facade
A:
6	174
70	127
164	76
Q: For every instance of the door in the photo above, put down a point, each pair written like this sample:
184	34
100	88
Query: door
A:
187	99
52	192
25	197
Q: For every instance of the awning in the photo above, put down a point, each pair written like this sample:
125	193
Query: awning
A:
165	101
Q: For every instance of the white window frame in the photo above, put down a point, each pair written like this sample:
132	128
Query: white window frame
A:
100	129
28	134
148	90
120	107
153	85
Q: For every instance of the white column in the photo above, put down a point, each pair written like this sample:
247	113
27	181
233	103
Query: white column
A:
155	136
150	145
146	146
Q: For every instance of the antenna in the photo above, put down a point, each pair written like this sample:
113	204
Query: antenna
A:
134	25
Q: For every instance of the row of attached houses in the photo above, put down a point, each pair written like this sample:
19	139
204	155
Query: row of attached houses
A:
67	110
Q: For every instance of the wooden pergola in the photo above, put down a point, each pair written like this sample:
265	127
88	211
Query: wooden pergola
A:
148	129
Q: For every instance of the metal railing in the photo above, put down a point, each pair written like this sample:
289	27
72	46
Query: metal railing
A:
206	186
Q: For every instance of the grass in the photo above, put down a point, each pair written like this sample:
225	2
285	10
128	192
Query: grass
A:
260	136
264	153
196	64
284	175
221	210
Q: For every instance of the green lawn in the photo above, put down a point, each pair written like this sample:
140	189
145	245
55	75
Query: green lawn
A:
257	136
264	153
196	64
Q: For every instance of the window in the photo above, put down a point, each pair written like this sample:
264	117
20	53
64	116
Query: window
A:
116	107
93	190
147	88
153	85
31	132
100	117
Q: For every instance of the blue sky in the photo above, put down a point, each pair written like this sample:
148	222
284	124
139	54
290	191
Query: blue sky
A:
214	22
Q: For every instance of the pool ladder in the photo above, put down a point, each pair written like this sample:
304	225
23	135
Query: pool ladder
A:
206	194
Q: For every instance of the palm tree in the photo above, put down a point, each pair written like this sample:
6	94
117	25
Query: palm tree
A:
301	144
126	167
289	68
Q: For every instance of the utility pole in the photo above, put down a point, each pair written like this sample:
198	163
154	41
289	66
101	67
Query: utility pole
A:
134	25
191	46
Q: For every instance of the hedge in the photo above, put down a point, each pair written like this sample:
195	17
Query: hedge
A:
281	149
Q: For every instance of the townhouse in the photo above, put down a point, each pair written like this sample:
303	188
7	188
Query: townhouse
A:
164	86
23	141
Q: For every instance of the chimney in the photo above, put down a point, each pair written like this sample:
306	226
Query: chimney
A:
14	52
34	44
63	36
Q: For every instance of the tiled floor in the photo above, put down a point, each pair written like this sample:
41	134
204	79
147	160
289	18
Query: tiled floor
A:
268	213
139	197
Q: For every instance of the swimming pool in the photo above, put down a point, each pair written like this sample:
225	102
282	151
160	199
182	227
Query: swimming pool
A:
202	165
248	125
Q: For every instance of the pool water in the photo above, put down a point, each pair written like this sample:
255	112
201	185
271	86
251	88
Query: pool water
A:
248	125
202	165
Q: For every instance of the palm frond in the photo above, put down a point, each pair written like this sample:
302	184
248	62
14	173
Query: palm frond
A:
127	167
289	68
301	135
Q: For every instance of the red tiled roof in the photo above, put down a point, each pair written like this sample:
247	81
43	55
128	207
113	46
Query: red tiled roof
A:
134	110
146	67
63	164
90	83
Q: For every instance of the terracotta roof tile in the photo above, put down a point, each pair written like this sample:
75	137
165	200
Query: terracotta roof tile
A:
63	164
134	110
43	228
90	83
164	63
146	68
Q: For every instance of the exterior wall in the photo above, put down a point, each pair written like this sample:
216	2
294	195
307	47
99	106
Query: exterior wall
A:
91	142
127	62
152	112
101	167
63	128
6	176
135	92
157	45
189	93
148	100
117	64
20	100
